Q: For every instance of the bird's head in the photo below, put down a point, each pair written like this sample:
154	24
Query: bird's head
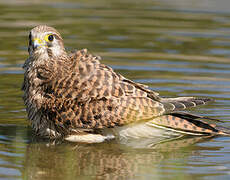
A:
46	42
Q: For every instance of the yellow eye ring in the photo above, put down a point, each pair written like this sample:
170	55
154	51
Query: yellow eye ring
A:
49	37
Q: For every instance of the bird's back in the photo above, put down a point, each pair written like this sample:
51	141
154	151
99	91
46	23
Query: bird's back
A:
89	95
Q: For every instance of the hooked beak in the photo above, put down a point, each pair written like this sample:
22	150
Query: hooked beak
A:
37	43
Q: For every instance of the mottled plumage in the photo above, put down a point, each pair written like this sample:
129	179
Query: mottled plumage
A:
76	97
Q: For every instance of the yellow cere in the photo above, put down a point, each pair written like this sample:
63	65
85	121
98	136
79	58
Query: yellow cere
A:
39	41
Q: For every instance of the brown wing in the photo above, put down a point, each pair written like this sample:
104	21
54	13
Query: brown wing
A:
101	113
88	78
87	94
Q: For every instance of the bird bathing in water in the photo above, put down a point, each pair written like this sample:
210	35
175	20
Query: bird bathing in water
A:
75	97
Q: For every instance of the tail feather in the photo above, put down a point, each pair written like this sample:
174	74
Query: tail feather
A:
189	124
224	130
193	116
181	103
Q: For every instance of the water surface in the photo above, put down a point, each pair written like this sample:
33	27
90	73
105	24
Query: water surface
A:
177	47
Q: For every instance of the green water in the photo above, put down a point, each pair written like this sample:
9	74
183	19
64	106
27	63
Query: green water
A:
177	47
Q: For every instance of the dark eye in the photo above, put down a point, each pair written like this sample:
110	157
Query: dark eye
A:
50	37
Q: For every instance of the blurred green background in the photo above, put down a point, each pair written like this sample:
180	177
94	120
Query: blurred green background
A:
177	47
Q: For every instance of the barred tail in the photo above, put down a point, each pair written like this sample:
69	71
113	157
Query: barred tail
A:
181	103
189	124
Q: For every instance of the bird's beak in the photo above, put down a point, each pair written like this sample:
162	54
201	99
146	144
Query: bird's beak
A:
37	43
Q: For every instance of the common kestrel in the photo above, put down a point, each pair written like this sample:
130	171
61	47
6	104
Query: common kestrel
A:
75	97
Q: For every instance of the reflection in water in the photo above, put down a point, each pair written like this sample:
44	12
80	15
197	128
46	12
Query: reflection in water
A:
100	161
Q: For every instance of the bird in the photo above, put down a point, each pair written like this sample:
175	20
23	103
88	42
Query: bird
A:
73	96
